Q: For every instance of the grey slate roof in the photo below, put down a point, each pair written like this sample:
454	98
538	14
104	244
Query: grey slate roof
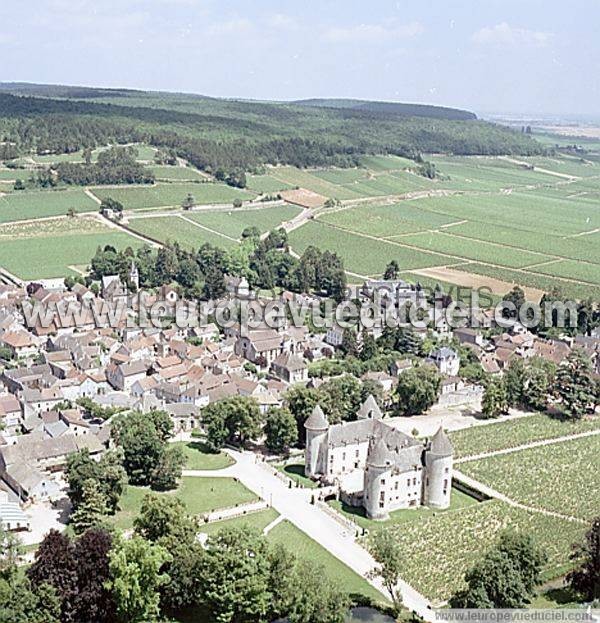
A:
370	409
316	420
440	444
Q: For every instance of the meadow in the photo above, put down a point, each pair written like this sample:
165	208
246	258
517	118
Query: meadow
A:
562	477
32	252
40	204
165	195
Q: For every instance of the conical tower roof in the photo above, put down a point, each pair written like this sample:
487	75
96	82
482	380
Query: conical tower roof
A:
440	444
316	420
370	409
378	453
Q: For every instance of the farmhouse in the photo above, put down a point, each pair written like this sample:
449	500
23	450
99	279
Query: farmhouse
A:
375	466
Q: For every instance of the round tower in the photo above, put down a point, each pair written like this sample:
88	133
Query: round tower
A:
438	471
316	426
375	492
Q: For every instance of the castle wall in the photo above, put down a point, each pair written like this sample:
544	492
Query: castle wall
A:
344	459
400	490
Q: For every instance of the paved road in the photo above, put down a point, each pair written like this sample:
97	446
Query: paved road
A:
295	506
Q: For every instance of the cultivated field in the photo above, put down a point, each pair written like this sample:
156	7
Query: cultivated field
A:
32	251
562	477
30	205
233	222
516	432
164	195
519	222
177	174
440	548
177	229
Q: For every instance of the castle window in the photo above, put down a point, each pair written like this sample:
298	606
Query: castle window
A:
408	482
446	470
414	481
396	486
380	504
382	496
357	453
383	482
343	456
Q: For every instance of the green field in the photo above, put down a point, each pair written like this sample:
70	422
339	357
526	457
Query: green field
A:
439	549
177	174
31	252
233	222
266	184
295	471
361	255
403	515
200	495
198	456
164	195
562	477
39	204
516	432
258	520
301	544
176	229
13	174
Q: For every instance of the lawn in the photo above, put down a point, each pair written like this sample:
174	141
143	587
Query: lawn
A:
233	222
302	545
516	432
32	252
258	520
20	206
439	549
200	495
404	515
199	456
177	229
164	195
295	471
562	477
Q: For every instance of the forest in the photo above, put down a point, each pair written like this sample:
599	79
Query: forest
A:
231	136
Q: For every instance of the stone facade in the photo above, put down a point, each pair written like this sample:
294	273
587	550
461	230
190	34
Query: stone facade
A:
376	466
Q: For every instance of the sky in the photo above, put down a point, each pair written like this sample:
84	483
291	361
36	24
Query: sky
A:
535	57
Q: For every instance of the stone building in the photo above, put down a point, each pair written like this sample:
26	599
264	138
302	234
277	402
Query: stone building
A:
377	466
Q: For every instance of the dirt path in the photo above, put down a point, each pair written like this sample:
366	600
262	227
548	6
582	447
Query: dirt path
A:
212	231
93	197
493	493
539	169
526	446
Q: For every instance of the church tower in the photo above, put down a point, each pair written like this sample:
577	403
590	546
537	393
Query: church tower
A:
134	276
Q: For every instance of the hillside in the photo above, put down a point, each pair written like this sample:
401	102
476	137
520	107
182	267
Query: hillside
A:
234	135
397	108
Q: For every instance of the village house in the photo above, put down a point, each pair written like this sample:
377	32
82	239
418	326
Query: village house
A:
122	376
446	360
290	367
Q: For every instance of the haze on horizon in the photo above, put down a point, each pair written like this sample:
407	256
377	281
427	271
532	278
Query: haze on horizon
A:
532	57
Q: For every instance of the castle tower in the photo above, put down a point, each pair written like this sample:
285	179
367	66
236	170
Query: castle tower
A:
134	276
438	471
316	426
378	465
369	410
